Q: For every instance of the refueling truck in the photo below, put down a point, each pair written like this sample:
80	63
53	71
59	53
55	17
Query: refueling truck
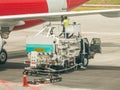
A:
52	49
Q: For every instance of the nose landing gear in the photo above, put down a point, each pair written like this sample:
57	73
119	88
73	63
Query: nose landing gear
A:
3	56
3	53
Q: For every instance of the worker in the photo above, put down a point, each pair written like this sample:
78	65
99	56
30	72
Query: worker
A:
66	21
65	24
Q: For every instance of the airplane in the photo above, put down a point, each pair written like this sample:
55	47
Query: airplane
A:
20	14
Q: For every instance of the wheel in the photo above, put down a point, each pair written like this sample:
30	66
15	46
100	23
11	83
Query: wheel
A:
84	60
3	56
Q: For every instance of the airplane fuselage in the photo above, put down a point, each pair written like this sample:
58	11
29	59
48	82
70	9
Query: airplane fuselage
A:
16	7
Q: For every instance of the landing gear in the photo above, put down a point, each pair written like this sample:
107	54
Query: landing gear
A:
3	53
3	56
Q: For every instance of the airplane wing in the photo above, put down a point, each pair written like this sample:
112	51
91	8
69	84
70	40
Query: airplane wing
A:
57	15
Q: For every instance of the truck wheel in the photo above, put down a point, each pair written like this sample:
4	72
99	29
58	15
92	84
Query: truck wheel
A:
84	60
3	56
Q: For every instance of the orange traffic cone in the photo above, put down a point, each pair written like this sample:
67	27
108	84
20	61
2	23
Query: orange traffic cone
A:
25	82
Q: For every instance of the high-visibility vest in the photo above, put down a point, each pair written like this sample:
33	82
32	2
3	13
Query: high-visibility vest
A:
66	22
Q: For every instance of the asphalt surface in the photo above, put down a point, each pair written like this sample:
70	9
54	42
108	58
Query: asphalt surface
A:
103	72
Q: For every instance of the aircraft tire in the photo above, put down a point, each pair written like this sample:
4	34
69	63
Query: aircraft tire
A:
3	56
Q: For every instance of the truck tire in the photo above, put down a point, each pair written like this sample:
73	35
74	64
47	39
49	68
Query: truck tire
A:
84	60
3	56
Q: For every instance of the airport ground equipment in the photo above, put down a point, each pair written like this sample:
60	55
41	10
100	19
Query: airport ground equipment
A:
3	53
51	78
52	50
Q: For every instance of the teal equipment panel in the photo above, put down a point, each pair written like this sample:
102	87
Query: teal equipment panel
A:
46	48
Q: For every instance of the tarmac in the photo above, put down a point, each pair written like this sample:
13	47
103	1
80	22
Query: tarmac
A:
103	71
7	85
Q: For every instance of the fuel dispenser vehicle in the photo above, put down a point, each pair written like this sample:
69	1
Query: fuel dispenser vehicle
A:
56	51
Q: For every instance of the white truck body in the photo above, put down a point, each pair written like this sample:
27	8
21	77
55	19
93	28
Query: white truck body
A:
51	47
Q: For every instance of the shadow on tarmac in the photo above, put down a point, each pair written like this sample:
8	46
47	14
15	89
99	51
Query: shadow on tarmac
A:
110	44
17	54
22	53
95	67
12	65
